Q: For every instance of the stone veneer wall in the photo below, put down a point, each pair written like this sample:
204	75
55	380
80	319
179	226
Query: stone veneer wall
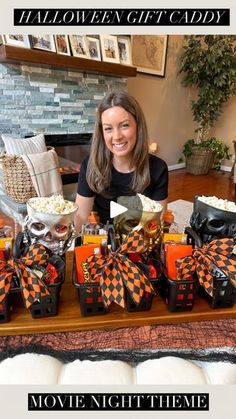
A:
53	101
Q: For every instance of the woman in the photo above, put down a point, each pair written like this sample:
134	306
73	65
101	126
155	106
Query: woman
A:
119	163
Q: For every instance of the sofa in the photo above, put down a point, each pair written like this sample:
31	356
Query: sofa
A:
31	368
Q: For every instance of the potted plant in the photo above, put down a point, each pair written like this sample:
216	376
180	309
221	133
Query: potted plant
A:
208	62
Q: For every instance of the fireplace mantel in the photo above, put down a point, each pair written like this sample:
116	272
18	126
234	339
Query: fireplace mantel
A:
16	55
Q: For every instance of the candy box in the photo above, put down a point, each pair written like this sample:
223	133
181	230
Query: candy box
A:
81	253
5	247
174	251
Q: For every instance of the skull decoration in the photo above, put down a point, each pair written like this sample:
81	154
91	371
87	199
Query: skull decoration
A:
138	218
54	231
211	222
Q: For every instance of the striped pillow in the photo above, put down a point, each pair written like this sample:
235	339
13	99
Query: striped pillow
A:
17	147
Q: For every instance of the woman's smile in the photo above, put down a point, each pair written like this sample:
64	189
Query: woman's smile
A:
120	146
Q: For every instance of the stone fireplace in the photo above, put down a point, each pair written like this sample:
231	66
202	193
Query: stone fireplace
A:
51	101
59	103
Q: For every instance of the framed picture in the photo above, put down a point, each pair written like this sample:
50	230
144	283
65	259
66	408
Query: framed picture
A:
124	48
62	44
16	40
78	45
94	48
109	48
149	53
44	42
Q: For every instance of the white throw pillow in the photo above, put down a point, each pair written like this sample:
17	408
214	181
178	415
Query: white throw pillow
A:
31	145
30	368
219	372
96	372
169	370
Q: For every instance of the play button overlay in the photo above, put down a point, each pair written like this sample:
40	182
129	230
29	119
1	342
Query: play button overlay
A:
116	209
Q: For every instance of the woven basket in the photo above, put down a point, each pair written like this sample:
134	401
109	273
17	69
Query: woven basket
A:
200	161
17	180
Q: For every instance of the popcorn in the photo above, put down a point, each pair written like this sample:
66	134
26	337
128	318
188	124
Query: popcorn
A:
139	203
149	205
54	204
219	203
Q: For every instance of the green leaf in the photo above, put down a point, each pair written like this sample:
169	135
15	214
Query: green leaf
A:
208	62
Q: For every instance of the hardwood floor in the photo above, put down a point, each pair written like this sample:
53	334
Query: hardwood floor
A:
185	186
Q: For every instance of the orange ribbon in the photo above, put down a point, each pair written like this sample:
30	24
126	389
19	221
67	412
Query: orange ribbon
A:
205	261
117	271
33	288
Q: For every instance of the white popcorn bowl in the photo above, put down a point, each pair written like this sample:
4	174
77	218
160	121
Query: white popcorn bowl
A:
50	219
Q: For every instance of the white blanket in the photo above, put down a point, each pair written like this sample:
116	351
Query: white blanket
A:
44	172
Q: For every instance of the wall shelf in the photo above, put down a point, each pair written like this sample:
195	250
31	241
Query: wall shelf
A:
16	55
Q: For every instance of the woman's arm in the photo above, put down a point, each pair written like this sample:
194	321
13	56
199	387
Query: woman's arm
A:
85	206
160	179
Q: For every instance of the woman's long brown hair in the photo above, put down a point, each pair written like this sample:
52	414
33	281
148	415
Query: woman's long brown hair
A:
100	159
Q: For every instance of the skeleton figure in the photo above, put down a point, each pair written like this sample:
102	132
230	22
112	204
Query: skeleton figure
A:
54	231
210	222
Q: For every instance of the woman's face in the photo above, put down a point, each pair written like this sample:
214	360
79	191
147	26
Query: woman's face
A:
119	131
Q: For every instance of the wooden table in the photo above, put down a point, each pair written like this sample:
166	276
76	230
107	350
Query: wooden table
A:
70	319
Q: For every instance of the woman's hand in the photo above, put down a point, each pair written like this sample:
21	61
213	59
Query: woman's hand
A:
85	206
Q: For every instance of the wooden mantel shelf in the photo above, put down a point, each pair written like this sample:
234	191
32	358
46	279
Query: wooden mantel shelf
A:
17	55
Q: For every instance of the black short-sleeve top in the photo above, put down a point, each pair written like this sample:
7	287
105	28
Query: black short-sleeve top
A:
157	189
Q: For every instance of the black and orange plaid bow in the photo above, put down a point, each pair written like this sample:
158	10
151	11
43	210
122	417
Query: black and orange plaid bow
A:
218	253
117	271
33	288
